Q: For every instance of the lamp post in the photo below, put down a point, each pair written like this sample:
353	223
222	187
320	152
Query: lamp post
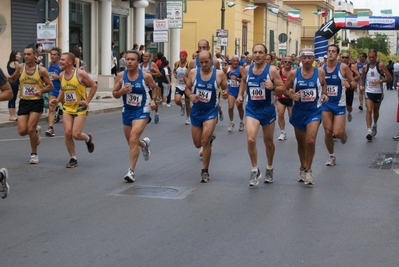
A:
222	10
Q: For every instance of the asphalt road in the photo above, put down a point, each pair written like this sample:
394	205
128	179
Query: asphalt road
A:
89	216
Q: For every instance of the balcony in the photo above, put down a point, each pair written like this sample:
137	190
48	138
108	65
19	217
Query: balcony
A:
324	4
309	31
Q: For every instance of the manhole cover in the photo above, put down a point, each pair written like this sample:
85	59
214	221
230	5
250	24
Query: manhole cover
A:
170	192
385	161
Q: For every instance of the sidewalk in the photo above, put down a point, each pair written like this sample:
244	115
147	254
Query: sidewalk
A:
103	102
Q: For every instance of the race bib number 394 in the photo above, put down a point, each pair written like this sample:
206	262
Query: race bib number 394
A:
257	93
308	95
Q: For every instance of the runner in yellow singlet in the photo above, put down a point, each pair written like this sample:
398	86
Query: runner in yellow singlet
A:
75	105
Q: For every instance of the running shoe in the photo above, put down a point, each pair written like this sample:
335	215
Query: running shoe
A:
146	150
374	130
50	132
331	161
349	116
90	145
204	177
269	176
38	131
231	126
309	178
164	105
34	159
129	177
302	176
369	136
188	122
72	163
396	138
156	119
361	107
182	109
241	128
282	137
4	187
255	177
200	152
221	115
344	139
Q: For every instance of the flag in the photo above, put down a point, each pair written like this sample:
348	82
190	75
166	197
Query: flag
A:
273	10
249	7
386	13
293	14
230	4
363	18
339	19
322	13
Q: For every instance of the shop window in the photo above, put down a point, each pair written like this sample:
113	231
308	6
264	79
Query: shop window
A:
80	30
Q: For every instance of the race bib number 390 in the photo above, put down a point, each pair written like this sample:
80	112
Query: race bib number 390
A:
257	93
308	95
204	95
134	99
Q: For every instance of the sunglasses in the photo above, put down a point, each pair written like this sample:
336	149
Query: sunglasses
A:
287	61
344	57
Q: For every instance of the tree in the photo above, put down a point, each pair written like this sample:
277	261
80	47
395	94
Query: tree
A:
379	43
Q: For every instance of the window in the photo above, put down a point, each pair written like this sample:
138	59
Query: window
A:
79	29
244	38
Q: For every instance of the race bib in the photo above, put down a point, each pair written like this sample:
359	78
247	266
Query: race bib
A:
29	90
234	83
204	95
257	93
51	75
332	90
70	97
308	95
180	79
134	99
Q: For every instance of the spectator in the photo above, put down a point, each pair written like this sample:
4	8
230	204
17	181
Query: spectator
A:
122	62
12	64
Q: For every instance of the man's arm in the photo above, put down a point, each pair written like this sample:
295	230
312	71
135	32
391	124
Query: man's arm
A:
277	85
17	73
388	76
155	70
356	72
243	86
88	82
350	82
149	81
322	78
46	79
361	82
223	84
5	88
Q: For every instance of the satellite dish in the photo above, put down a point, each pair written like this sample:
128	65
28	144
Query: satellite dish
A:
3	24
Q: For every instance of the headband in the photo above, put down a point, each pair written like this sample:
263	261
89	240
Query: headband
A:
307	53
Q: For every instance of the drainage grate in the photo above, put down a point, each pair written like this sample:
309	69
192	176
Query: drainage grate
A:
385	161
167	192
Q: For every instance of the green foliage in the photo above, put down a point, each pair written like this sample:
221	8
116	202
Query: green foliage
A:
379	42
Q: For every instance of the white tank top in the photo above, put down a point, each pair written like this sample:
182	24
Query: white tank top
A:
373	76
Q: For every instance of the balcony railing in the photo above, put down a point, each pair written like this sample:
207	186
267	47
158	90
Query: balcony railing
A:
309	31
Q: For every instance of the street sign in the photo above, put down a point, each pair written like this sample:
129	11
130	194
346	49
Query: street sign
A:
52	9
282	49
175	14
282	37
160	36
46	31
160	24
